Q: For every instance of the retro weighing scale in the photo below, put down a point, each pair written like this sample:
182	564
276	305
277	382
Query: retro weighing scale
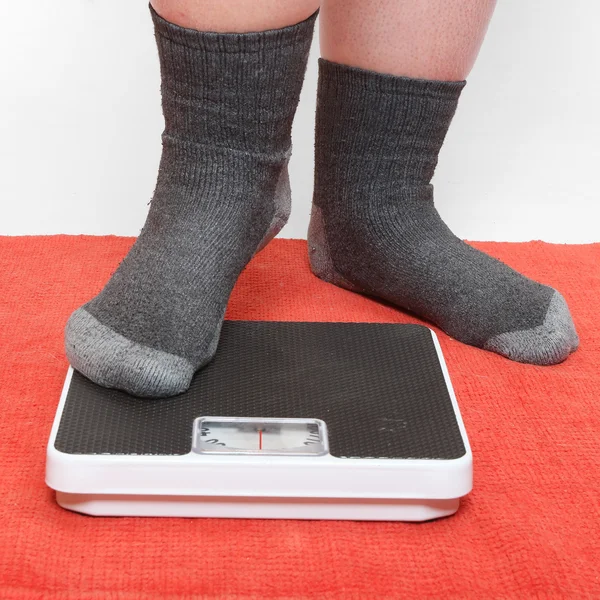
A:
290	420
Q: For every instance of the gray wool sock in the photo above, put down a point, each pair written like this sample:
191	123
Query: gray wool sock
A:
374	227
222	193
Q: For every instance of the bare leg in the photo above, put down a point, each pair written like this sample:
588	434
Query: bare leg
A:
428	39
241	16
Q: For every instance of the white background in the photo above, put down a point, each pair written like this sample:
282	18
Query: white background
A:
80	124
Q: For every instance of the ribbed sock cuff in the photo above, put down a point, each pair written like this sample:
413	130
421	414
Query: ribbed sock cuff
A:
336	74
234	42
399	120
234	90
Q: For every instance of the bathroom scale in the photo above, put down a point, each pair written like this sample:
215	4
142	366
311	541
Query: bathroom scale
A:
289	420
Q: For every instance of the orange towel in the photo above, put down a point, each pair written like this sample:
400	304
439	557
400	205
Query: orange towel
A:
530	528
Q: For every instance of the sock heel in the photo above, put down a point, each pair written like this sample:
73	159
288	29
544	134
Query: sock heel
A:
283	207
319	257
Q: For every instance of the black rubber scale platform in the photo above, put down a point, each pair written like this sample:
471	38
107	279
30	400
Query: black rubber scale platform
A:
379	388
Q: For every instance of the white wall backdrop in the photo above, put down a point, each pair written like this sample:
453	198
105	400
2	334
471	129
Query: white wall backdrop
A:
80	123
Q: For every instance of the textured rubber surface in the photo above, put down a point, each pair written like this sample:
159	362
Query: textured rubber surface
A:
379	388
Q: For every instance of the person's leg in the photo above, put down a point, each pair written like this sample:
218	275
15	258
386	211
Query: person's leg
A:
426	39
222	192
239	16
389	84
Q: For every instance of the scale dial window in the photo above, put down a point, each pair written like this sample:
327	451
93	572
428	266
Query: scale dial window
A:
258	436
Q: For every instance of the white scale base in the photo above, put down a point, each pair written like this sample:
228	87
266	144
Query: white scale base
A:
265	487
258	508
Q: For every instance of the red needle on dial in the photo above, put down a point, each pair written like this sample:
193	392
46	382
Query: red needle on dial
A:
260	439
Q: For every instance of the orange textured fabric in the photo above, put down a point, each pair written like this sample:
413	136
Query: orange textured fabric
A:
530	528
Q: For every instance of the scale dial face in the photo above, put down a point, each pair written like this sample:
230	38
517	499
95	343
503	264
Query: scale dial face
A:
258	436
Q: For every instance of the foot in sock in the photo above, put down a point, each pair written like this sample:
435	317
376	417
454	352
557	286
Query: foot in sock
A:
222	193
374	228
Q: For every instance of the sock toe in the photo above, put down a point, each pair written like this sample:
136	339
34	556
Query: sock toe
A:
113	361
547	344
